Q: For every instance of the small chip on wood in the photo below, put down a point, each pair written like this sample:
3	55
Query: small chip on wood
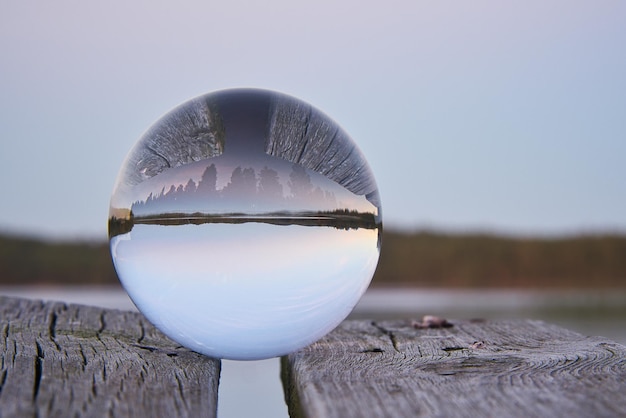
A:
477	345
431	321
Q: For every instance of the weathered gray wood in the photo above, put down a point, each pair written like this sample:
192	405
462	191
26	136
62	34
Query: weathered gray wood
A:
506	368
63	360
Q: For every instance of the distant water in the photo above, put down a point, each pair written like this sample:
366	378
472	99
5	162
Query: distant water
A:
258	382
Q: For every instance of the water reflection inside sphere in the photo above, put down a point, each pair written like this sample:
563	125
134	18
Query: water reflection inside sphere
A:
245	224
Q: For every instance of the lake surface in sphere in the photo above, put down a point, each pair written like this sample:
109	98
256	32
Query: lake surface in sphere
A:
245	224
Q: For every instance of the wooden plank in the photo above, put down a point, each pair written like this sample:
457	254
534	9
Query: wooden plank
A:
490	368
63	360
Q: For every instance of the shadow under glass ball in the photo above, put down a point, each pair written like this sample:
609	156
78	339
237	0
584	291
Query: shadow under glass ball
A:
245	224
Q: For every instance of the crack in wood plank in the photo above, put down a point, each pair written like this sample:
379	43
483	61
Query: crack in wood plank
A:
38	367
389	334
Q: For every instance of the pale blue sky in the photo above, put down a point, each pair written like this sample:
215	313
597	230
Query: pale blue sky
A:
473	115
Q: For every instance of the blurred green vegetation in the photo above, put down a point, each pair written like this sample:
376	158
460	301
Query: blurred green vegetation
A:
434	259
29	261
424	259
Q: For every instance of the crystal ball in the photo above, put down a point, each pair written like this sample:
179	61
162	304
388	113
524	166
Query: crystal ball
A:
245	224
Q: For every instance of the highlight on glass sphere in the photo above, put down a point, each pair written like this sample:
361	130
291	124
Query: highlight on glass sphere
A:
245	224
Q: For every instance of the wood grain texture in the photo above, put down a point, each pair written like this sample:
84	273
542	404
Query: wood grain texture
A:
301	134
63	360
507	368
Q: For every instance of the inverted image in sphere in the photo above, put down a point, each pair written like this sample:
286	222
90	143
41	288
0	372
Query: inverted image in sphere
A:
245	224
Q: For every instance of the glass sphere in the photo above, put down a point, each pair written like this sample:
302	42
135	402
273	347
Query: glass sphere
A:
245	224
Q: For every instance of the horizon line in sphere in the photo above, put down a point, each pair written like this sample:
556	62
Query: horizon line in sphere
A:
93	236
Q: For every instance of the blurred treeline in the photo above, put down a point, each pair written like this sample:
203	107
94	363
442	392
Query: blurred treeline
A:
425	259
27	261
433	259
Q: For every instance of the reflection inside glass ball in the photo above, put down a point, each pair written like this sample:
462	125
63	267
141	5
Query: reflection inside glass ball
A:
245	224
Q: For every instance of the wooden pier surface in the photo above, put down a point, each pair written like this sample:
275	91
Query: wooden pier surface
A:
472	369
61	360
